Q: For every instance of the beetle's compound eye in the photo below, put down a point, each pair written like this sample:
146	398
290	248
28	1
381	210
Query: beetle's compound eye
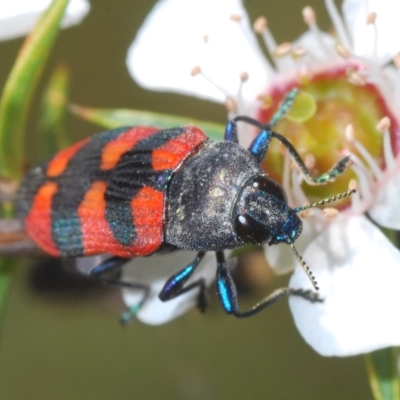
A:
270	186
251	231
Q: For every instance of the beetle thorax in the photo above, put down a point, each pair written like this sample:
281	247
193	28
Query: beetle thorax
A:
202	197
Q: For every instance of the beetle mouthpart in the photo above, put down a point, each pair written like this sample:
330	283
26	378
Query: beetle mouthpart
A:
306	268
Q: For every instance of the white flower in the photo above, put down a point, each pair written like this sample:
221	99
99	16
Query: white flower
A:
153	272
355	89
18	17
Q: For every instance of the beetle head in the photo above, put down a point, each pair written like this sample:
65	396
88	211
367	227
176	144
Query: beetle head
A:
262	214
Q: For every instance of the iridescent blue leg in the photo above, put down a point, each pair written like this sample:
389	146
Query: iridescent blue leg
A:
175	286
108	265
227	293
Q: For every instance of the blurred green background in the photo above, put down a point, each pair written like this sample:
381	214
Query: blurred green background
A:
69	345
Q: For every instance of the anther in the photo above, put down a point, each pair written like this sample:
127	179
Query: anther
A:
260	25
195	71
342	51
383	125
330	212
205	38
371	18
356	78
231	105
349	132
299	52
235	17
309	161
309	15
283	49
353	185
396	60
244	76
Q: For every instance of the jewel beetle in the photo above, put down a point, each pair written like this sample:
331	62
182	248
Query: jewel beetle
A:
135	191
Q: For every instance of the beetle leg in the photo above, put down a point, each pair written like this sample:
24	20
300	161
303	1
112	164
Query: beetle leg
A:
174	287
112	264
226	289
108	265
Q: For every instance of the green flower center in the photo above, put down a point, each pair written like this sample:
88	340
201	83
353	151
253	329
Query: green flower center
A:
316	126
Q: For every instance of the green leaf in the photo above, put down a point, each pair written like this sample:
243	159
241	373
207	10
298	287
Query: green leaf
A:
53	131
20	87
114	118
383	373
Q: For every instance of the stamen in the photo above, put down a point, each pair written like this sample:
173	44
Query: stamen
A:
364	153
309	161
383	126
371	18
282	50
355	199
338	24
205	38
305	267
342	51
298	193
198	71
244	77
364	184
253	44
231	105
356	78
330	212
260	26
299	52
311	20
195	71
235	17
353	185
396	60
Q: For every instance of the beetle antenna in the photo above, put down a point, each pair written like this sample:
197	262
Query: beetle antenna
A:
336	197
306	268
286	105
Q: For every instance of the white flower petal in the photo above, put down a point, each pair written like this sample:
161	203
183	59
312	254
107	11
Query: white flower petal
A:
388	28
18	17
171	43
358	271
154	272
386	208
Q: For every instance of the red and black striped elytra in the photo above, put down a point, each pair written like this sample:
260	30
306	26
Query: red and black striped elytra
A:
136	191
106	194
